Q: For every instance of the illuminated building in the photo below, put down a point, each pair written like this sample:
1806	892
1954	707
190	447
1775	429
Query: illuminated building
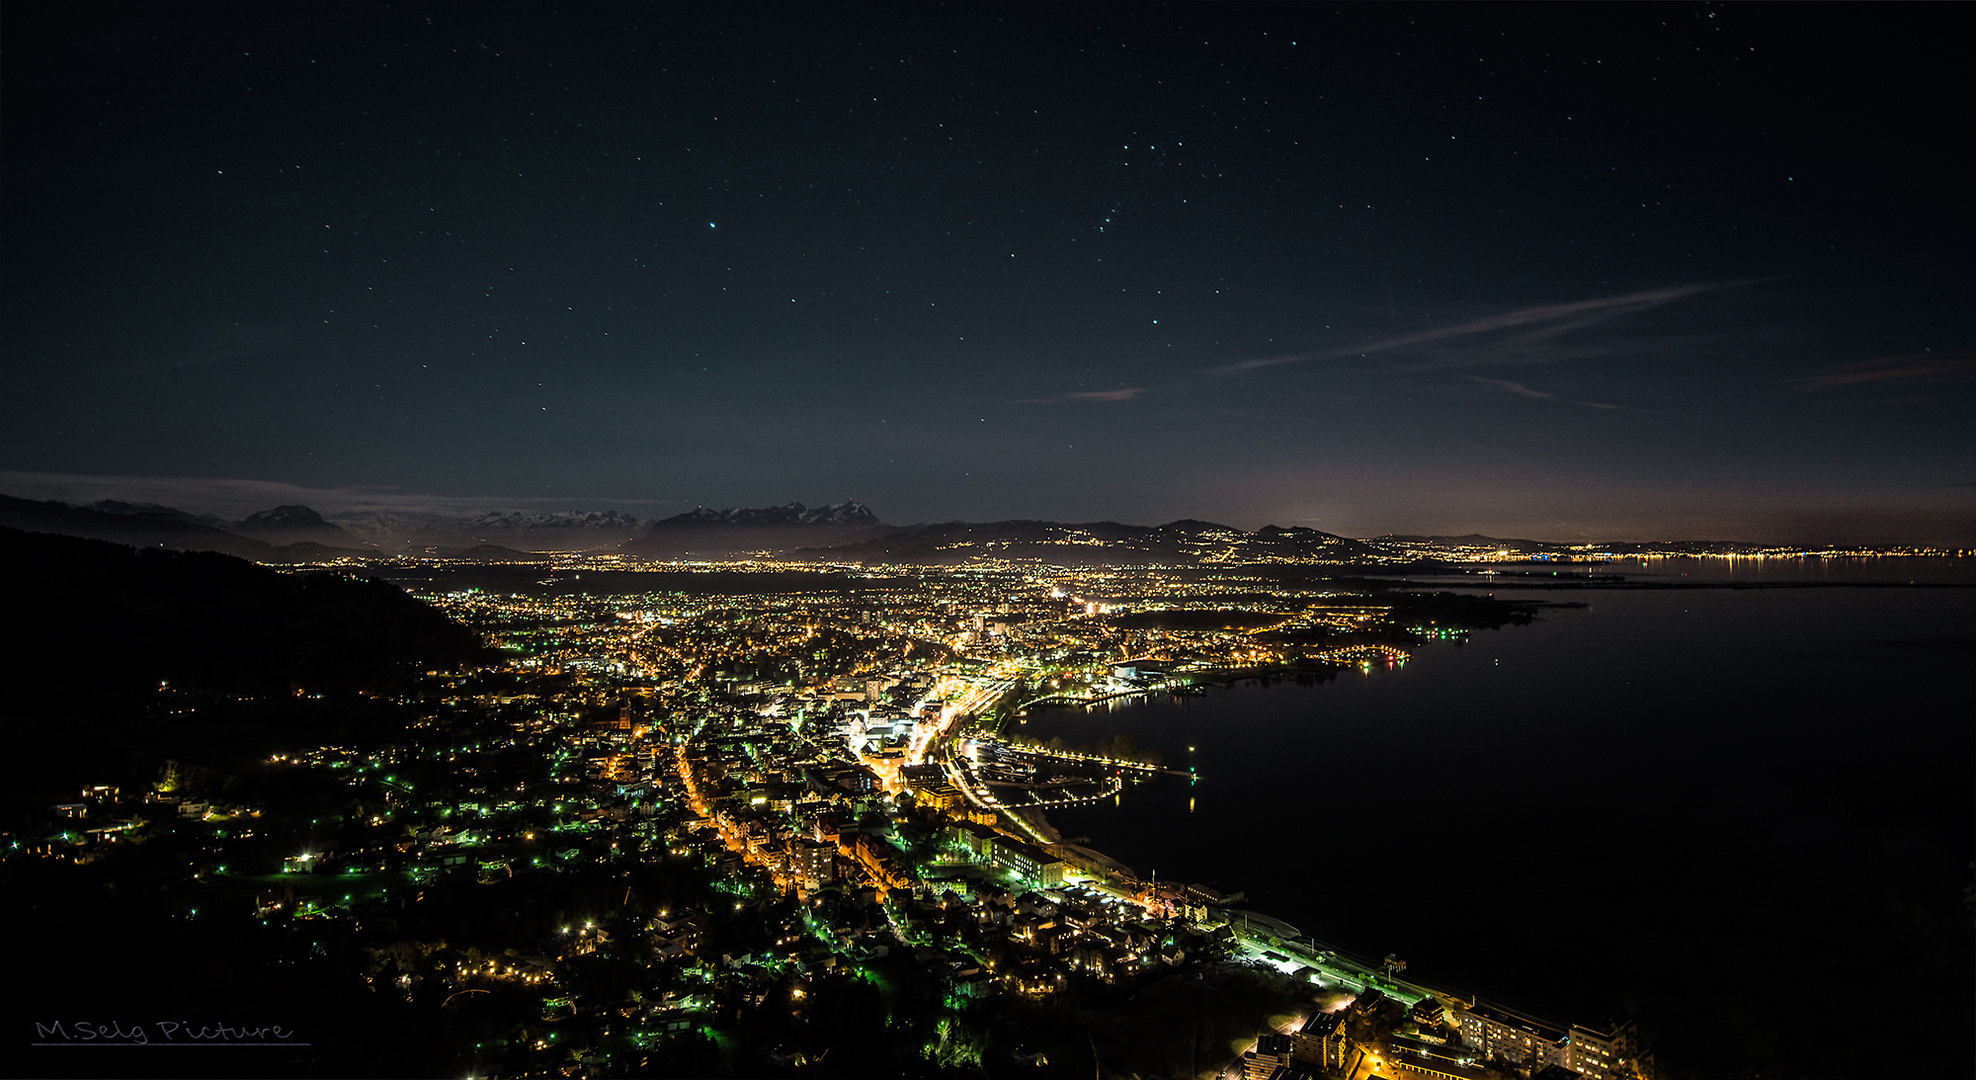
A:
811	863
1322	1042
1028	861
1496	1032
1596	1054
1272	1054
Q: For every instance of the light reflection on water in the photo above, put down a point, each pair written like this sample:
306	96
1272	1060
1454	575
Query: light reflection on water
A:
1597	806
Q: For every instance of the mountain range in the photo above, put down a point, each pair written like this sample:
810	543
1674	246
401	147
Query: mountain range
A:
1096	543
296	533
844	531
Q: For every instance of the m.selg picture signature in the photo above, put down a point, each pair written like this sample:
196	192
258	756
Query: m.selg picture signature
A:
160	1033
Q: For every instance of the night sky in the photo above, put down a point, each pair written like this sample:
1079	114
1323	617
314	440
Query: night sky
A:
1562	272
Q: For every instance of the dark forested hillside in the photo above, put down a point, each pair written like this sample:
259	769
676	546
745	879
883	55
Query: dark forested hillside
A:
101	626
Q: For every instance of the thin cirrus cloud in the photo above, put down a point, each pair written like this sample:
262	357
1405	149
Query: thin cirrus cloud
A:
1087	395
1521	390
1908	368
1526	335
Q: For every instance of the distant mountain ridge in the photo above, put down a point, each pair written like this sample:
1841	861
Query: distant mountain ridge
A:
704	533
294	524
850	513
840	531
115	506
297	533
136	525
846	531
1187	541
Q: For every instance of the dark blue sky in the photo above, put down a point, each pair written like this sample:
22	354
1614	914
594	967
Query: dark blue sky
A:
1569	272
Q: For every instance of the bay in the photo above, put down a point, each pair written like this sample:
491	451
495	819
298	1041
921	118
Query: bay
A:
1719	810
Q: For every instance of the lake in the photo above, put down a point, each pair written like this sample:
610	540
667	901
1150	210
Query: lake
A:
1738	814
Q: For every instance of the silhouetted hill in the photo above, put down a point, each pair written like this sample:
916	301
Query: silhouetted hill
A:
285	534
134	525
295	524
106	624
848	512
118	506
706	533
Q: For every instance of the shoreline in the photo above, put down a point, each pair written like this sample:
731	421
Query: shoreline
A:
1086	858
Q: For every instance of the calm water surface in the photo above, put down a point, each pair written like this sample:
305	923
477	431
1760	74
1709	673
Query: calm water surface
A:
1725	811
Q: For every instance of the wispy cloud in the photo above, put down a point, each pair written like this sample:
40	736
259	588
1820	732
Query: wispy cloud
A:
1521	336
1275	361
1521	390
1087	395
1909	368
